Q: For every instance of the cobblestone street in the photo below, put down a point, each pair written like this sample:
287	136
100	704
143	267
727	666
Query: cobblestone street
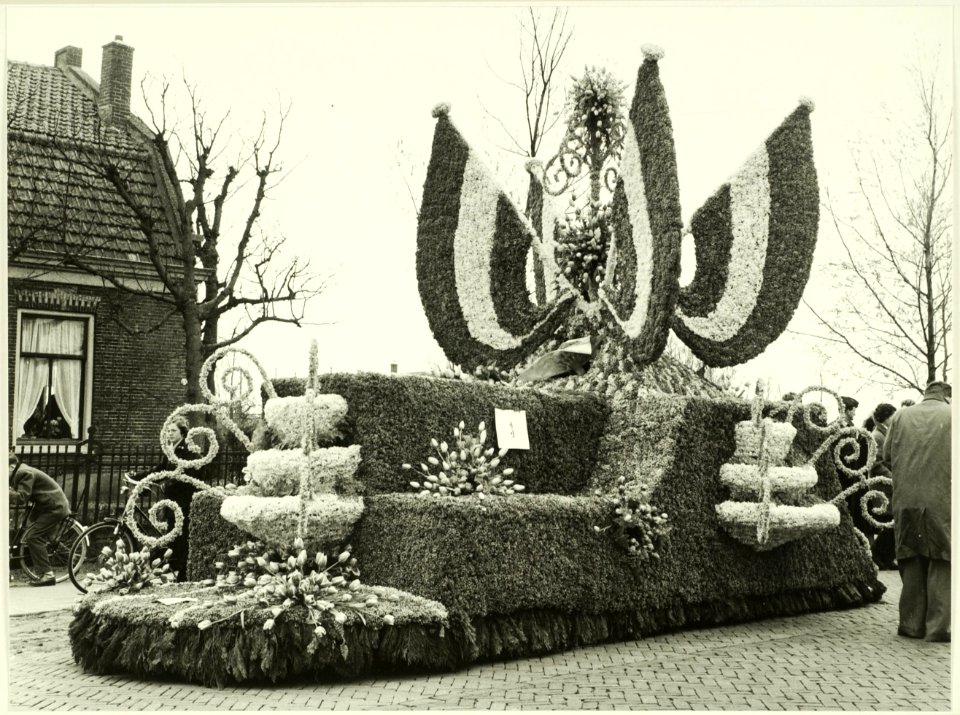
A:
838	660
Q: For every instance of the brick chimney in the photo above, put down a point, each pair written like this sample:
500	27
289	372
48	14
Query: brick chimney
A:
116	73
68	56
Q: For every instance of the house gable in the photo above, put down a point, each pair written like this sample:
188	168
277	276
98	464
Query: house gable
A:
60	205
63	211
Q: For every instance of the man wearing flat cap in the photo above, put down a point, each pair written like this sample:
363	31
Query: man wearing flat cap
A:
917	450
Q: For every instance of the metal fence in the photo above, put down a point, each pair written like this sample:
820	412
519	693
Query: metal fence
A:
91	474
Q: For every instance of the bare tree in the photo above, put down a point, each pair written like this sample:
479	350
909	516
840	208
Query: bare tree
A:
540	54
542	46
215	267
895	312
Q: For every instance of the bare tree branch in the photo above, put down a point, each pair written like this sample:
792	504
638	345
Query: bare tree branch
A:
895	311
240	268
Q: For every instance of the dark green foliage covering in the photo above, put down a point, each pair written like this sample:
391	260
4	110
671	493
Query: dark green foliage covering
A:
211	537
650	121
713	237
134	636
436	278
794	216
394	417
547	631
508	271
621	286
532	552
637	444
529	575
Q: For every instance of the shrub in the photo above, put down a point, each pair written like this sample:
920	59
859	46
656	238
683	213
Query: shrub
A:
391	415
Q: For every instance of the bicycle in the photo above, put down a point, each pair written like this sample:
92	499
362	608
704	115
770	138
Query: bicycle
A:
107	532
59	547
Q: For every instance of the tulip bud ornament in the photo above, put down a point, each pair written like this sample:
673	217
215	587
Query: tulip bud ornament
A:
467	466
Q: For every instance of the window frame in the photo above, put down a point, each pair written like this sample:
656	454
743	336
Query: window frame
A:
86	371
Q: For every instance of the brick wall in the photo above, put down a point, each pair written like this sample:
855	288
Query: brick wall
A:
136	376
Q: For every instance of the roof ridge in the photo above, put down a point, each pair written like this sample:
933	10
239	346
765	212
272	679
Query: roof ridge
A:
30	64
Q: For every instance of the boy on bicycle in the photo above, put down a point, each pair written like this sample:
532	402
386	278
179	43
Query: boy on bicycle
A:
50	508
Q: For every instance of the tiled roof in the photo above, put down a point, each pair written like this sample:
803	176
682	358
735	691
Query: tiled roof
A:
57	201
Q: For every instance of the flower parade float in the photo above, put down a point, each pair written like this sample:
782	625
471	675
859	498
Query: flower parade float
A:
643	500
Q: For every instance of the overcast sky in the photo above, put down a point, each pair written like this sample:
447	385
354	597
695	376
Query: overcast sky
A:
362	81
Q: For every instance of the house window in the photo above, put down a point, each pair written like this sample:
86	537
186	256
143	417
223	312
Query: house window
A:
52	369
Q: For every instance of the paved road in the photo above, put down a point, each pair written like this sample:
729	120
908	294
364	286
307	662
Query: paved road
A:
839	660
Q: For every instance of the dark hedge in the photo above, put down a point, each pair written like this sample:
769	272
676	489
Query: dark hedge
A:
541	552
213	536
530	575
394	417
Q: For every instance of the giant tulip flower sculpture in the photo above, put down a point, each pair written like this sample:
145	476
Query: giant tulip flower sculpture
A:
754	241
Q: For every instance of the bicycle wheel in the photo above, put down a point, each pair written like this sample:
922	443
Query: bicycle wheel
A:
86	553
58	548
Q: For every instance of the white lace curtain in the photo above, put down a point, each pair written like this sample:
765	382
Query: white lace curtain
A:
50	335
31	382
59	337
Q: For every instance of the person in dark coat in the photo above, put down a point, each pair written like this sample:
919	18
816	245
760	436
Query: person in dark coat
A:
50	507
177	491
917	450
884	547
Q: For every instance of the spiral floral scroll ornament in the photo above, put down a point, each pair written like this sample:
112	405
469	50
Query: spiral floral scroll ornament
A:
219	409
236	393
839	437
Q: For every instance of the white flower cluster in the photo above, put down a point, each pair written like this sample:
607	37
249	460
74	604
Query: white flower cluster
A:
274	520
652	52
776	442
763	483
745	480
631	173
276	472
465	467
786	523
287	417
473	246
750	223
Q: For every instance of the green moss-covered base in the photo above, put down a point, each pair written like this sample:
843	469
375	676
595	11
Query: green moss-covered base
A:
538	632
133	634
133	637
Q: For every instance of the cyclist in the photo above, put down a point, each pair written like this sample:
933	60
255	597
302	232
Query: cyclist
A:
50	508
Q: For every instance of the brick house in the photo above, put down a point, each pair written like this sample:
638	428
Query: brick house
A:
84	353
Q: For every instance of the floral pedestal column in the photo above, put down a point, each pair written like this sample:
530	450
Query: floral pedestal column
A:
770	503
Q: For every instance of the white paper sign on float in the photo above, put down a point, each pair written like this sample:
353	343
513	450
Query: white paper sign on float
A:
511	429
